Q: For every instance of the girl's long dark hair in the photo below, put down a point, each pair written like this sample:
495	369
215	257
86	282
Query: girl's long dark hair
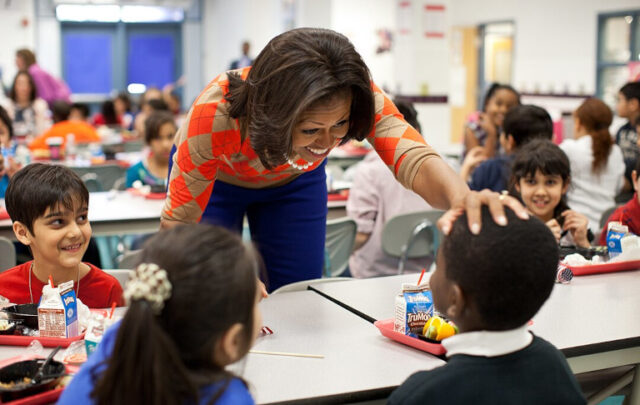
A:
32	93
543	155
299	69
166	358
596	117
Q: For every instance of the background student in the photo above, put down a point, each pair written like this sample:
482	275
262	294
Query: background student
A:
628	214
483	129
29	113
374	198
193	309
160	129
541	176
522	123
494	359
628	107
48	88
49	208
8	165
596	162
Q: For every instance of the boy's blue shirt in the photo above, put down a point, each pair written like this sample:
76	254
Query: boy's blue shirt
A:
493	174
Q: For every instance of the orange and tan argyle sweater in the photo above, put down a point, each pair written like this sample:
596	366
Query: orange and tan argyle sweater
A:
210	147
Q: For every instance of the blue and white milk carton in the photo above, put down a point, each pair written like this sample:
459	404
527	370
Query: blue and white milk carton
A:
58	311
414	307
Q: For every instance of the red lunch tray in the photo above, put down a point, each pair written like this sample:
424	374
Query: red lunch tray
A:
342	195
16	340
386	328
605	268
46	397
4	214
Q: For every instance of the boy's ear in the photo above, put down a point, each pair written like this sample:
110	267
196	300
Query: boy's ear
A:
457	302
22	233
634	180
228	348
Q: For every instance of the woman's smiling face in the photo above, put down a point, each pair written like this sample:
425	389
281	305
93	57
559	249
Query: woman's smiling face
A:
321	127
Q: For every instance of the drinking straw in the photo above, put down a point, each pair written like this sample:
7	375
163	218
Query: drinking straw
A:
421	274
113	308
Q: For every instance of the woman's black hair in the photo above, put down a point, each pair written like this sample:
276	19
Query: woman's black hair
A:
549	159
168	357
299	69
32	93
6	120
492	91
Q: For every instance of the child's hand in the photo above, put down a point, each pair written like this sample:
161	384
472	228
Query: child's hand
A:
576	223
474	157
486	124
556	230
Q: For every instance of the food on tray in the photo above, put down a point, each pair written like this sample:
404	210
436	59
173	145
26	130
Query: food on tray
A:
6	325
13	384
437	328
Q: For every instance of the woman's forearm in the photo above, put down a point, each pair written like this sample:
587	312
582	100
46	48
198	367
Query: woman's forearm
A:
438	184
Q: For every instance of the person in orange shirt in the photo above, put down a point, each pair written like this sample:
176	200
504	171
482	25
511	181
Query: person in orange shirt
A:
62	127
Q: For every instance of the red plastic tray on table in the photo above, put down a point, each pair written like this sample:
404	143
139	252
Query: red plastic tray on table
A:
46	397
16	340
605	268
386	328
4	214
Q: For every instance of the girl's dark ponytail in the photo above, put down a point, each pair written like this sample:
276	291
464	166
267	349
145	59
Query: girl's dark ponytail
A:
145	364
596	117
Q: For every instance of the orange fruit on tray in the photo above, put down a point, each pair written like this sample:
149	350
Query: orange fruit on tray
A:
437	328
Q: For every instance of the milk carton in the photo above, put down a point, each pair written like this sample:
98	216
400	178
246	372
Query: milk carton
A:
615	232
414	307
98	325
58	311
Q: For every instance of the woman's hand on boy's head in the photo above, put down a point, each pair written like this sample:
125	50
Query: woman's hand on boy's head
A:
472	203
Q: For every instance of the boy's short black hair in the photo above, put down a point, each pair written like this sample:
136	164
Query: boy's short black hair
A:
507	272
631	90
60	110
39	186
158	105
82	107
527	122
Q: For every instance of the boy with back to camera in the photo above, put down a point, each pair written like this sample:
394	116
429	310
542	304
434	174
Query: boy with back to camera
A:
491	285
49	207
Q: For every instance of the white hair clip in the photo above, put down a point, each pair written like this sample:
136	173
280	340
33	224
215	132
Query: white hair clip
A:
149	283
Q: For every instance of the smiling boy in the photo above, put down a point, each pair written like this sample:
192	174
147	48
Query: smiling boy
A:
49	206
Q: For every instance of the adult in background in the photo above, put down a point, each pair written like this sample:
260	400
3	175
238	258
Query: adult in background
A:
245	60
48	88
255	142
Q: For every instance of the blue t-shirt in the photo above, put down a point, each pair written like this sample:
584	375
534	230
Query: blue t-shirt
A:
4	183
139	171
492	174
81	386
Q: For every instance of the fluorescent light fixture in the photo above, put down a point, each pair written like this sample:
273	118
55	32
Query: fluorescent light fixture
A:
136	88
151	14
88	12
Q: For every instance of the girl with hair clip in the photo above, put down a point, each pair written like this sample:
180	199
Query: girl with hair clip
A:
482	132
596	161
540	177
193	309
256	140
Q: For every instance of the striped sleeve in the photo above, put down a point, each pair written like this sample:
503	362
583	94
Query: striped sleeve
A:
400	146
207	134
